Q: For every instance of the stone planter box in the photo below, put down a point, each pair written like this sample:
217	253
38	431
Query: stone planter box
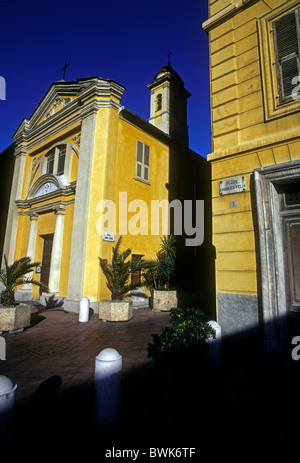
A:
15	318
115	311
163	301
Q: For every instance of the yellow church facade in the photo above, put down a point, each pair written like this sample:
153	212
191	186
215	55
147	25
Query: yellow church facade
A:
88	170
255	160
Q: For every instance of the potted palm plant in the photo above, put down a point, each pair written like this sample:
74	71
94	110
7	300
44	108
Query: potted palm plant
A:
15	316
117	273
158	276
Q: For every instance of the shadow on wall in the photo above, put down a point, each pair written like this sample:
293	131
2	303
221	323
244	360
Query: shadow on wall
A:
273	337
190	180
7	163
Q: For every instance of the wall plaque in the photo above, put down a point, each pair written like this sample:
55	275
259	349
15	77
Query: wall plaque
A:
233	185
108	236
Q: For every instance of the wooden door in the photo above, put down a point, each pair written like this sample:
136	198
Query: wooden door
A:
136	276
290	212
46	260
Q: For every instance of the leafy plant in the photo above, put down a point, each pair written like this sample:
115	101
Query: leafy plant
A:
118	272
11	276
186	335
159	274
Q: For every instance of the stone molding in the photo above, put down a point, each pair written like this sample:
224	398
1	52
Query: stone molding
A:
60	209
20	150
50	207
226	14
256	144
93	89
272	267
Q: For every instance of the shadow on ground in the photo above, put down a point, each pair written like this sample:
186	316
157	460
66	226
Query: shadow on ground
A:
248	400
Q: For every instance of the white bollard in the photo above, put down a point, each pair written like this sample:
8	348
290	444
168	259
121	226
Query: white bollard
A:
84	309
214	345
7	401
108	371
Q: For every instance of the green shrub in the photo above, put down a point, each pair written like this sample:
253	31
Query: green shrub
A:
186	334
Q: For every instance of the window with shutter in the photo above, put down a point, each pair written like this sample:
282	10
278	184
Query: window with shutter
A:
61	160
142	171
50	162
56	159
286	42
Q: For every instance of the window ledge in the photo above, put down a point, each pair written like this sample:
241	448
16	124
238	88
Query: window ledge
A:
142	181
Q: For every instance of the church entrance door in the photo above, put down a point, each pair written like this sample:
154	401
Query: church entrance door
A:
46	259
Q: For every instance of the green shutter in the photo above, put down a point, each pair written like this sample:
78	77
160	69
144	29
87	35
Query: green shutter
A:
286	38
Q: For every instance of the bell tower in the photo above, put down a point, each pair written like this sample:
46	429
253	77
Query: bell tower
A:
168	104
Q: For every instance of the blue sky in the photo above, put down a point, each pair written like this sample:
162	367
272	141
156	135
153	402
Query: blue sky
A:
127	41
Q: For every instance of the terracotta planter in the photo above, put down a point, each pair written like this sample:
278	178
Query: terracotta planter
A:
15	318
115	311
163	301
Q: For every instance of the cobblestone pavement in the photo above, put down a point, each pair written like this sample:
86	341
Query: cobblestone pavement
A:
250	399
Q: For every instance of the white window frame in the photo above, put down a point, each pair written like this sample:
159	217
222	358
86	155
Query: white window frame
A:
283	98
274	106
56	152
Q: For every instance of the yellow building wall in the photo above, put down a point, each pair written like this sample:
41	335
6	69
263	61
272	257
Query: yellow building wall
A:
22	236
46	221
243	139
113	172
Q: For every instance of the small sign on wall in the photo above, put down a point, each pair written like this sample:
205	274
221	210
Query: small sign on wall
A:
233	185
108	236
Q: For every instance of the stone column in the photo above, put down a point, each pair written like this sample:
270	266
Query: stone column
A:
54	276
32	236
25	292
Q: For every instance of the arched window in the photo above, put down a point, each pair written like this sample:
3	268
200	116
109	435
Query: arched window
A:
56	160
159	102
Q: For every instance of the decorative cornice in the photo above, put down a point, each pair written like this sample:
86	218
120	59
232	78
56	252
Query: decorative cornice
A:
20	135
39	135
29	202
255	145
20	150
33	216
226	13
87	93
102	88
42	180
61	209
59	205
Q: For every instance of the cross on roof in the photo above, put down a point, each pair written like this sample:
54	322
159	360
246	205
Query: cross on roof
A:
65	68
169	55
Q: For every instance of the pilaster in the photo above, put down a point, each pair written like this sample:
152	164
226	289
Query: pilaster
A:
79	232
16	192
54	276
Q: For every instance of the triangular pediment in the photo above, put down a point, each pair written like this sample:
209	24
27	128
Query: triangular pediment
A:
63	99
58	97
59	103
